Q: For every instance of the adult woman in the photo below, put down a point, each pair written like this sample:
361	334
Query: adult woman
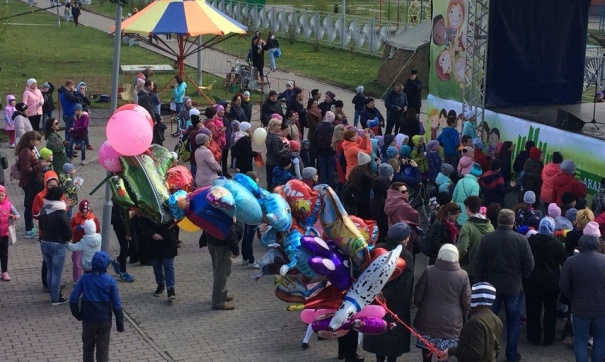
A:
312	120
369	113
443	297
395	341
352	148
275	149
180	88
237	112
21	122
56	231
505	156
34	100
297	104
155	99
226	141
542	284
410	125
30	167
207	167
54	142
273	48
572	237
397	207
258	56
360	182
242	149
341	163
443	231
533	173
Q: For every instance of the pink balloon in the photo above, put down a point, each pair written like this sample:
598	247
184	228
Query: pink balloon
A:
129	132
371	311
309	315
136	108
109	158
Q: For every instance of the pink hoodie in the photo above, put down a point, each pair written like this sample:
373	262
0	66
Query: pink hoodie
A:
9	124
34	100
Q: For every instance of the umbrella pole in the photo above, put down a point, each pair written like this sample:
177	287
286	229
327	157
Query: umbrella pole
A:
181	58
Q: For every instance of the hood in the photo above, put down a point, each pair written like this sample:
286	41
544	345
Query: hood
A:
346	144
62	90
465	162
380	186
90	227
9	98
484	225
442	179
49	175
84	84
490	177
393	202
100	262
52	206
92	241
563	179
416	139
241	134
551	170
450	133
588	243
541	241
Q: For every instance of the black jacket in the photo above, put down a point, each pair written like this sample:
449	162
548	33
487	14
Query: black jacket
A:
242	151
413	91
166	248
231	239
326	128
325	106
369	114
504	258
146	102
379	188
268	109
275	148
300	109
54	223
49	103
549	256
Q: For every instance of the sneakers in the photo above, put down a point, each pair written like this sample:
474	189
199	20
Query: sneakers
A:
125	277
226	306
6	277
171	294
116	266
229	298
89	147
32	234
60	301
254	265
244	263
83	163
160	290
11	145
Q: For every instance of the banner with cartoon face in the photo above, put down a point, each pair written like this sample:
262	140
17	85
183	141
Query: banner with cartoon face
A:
448	48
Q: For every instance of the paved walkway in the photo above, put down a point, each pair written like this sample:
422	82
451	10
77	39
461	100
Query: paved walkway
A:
259	329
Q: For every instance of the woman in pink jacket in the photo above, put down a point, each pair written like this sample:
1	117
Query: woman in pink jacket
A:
549	172
34	99
207	167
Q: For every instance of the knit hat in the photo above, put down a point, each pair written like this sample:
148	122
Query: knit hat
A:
186	99
385	170
448	252
530	197
363	158
568	167
219	108
45	153
391	151
592	228
195	120
554	211
78	107
535	153
469	114
201	139
482	294
244	126
205	131
399	231
89	227
571	214
359	89
193	111
568	197
68	167
284	161
447	169
306	143
308	173
331	95
330	116
21	107
289	83
31	81
476	170
349	134
294	146
246	94
432	146
45	85
477	143
506	217
547	226
405	151
84	206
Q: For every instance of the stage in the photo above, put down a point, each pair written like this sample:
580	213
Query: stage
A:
547	115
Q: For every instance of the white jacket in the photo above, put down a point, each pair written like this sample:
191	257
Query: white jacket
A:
89	245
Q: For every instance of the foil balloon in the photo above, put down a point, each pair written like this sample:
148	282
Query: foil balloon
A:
366	287
287	297
204	215
270	263
247	210
333	335
370	325
109	158
248	183
309	315
329	298
276	211
399	266
334	267
298	256
372	310
292	285
179	178
322	323
303	201
269	239
120	193
186	225
367	228
176	212
222	199
161	157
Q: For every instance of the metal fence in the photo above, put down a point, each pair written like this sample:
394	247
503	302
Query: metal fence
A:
364	34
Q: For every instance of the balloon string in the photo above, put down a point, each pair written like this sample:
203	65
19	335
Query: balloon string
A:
427	344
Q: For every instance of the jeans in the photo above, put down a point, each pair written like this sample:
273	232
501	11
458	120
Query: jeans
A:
163	269
326	166
76	259
247	240
193	169
69	123
46	116
536	302
178	107
27	214
582	327
356	118
82	143
512	305
95	335
221	269
272	52
54	256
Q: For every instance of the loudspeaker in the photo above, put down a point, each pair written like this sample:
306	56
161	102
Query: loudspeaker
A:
568	121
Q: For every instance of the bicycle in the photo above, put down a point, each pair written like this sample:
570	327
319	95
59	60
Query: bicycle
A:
238	77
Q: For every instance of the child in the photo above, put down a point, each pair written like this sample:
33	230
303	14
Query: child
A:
248	236
88	245
359	100
443	180
419	155
480	156
525	215
304	153
9	124
77	227
309	176
100	297
79	133
8	214
296	161
449	139
432	154
466	161
281	173
47	155
70	187
162	251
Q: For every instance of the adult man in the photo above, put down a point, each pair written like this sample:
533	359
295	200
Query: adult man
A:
271	106
326	155
471	233
396	103
480	337
328	103
145	99
413	90
288	94
68	99
583	281
504	259
316	94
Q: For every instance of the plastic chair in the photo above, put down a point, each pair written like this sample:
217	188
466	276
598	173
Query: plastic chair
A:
127	96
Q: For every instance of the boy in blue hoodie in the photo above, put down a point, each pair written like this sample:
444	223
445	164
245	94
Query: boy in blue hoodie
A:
100	296
449	139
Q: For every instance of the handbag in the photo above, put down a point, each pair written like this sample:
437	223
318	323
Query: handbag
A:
12	233
277	53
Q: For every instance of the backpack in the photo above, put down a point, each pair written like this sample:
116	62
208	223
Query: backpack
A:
15	172
323	138
184	150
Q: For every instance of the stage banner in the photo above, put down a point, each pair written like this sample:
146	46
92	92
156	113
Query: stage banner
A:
496	128
448	48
